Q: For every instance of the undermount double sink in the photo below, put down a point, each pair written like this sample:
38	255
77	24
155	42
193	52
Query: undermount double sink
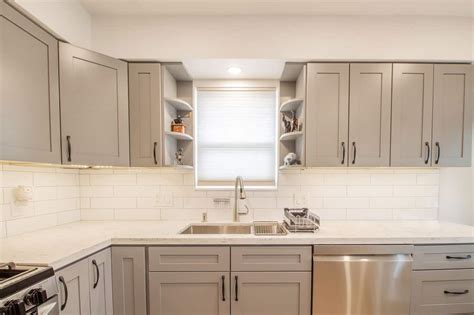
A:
256	228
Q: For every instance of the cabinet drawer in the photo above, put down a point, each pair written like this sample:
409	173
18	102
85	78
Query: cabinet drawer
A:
189	258
271	258
443	257
443	291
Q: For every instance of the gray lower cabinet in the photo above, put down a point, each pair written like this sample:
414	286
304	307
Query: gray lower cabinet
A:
100	283
129	280
85	287
94	108
145	114
271	293
370	100
73	282
29	93
452	118
327	114
443	279
412	112
184	293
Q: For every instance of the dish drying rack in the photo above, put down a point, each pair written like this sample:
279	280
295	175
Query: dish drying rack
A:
301	220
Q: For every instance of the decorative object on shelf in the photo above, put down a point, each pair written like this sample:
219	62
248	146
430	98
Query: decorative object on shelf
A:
290	124
291	159
179	155
177	125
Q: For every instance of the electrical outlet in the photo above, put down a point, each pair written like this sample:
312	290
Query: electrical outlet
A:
164	199
300	200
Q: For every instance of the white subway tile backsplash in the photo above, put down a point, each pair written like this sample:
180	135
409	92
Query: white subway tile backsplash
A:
113	202
97	214
137	214
67	195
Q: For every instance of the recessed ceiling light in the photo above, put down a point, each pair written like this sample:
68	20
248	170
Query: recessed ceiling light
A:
234	70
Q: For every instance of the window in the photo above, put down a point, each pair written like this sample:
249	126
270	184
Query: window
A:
236	135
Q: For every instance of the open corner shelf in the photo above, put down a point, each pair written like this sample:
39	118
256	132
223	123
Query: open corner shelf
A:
179	135
291	135
184	167
179	104
291	105
290	167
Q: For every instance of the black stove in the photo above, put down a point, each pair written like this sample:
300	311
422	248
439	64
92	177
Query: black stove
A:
27	289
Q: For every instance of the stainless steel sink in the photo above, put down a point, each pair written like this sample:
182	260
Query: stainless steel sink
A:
257	228
218	229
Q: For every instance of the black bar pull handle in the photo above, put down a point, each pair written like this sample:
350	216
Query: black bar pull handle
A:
236	288
459	257
97	273
69	148
223	288
155	144
66	294
438	148
456	292
355	152
343	145
428	152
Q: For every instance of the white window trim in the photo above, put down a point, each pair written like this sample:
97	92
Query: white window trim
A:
250	85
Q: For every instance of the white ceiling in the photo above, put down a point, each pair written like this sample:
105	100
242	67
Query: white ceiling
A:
251	68
280	7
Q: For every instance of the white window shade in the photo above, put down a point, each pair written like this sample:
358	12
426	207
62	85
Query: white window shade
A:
236	135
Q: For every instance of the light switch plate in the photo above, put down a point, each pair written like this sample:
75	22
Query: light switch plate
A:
300	199
164	199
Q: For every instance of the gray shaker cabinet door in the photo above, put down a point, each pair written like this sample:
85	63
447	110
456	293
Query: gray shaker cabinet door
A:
184	293
29	91
100	283
327	114
129	280
145	95
370	112
94	108
271	293
412	110
75	281
452	108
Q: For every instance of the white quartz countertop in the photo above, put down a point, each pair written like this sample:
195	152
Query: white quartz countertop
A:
62	245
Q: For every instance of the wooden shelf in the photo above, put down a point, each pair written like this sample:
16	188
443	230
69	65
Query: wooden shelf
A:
179	135
291	135
179	104
291	105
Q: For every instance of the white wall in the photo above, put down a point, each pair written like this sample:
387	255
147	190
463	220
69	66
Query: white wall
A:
67	18
290	37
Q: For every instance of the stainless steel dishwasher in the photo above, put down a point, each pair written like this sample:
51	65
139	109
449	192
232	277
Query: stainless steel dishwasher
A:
362	279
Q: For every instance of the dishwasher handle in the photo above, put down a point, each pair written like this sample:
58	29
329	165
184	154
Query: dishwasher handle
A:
407	258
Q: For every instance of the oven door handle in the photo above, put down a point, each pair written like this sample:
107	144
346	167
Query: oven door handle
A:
66	294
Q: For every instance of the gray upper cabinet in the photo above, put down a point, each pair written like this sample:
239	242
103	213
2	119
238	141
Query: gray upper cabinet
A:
370	112
327	114
94	108
452	115
145	109
412	110
29	93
